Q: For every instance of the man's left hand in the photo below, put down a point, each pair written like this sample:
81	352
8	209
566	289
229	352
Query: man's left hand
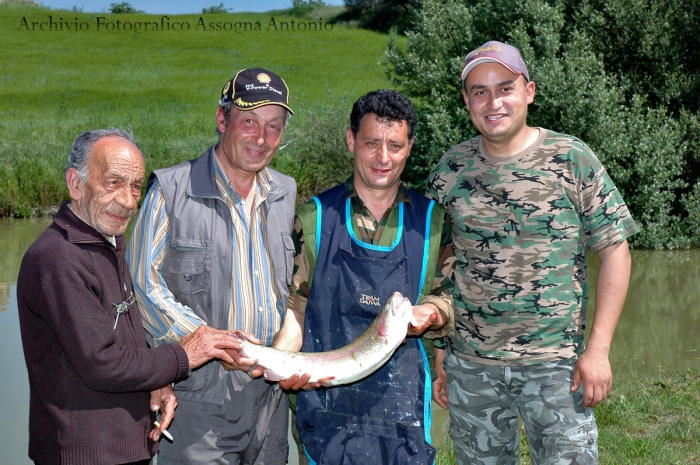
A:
163	399
249	365
427	318
301	382
593	368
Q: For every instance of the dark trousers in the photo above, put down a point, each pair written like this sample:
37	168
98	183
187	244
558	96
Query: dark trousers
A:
140	462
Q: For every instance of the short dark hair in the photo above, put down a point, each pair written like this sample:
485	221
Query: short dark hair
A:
387	104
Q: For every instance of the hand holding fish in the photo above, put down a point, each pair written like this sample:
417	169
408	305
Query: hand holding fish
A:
241	362
207	343
427	317
301	382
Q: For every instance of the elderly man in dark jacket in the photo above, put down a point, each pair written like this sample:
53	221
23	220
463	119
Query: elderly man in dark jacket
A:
95	385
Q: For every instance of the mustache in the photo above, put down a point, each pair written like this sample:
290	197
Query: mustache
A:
122	212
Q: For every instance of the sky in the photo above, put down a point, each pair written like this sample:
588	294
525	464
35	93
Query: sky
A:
174	7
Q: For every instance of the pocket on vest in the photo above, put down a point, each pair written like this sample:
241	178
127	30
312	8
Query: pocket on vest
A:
197	379
288	257
188	270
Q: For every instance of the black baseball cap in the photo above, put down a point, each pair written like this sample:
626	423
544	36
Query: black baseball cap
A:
254	88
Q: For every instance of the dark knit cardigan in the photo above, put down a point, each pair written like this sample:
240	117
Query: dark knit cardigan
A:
89	382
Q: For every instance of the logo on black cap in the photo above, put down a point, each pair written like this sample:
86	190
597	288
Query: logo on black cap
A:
255	87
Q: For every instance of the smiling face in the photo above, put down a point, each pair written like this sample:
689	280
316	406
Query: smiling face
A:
380	148
497	101
109	197
249	140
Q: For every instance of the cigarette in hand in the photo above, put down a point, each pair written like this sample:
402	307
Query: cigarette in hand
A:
164	432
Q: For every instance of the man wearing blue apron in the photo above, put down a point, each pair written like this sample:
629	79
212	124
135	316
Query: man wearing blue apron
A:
356	244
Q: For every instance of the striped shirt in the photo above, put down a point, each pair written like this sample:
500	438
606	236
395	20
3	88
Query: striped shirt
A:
254	307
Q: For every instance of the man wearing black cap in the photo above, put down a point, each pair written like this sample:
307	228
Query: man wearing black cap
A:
212	245
527	204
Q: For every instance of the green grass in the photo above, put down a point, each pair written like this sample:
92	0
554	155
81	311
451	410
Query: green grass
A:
163	84
642	422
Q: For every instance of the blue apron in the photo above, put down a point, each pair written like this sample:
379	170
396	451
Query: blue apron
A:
382	418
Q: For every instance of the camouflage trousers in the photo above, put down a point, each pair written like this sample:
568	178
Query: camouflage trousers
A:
486	400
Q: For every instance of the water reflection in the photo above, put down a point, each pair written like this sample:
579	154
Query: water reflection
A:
4	296
659	328
15	237
657	334
14	385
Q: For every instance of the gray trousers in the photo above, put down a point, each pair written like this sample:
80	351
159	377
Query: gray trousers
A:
251	427
486	400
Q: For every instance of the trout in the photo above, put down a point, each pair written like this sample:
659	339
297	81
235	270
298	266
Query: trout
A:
350	363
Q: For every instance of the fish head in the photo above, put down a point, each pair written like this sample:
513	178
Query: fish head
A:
395	316
244	342
399	305
238	335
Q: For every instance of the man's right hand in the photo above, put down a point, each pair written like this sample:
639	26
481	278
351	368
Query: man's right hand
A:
207	343
239	362
298	383
440	383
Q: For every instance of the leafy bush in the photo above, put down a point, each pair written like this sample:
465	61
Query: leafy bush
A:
124	7
316	152
301	8
589	84
382	15
216	9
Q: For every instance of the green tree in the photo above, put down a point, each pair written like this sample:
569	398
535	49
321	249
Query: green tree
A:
302	8
220	8
382	15
643	132
315	150
124	7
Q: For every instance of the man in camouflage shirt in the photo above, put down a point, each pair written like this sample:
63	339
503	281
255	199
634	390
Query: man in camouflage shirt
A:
526	205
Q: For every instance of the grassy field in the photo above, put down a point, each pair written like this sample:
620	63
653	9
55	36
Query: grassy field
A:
643	422
162	83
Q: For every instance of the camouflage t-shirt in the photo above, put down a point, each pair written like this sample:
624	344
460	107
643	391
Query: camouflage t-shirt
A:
522	227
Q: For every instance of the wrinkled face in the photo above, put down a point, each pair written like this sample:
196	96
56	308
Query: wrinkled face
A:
497	101
380	149
250	139
109	197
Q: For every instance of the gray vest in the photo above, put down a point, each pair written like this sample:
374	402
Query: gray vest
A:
197	267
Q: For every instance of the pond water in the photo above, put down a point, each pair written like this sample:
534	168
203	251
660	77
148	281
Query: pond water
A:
657	334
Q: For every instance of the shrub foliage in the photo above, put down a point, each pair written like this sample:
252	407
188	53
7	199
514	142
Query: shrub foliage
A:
621	75
315	150
122	8
382	15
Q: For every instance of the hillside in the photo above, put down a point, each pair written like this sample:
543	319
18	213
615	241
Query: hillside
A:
64	72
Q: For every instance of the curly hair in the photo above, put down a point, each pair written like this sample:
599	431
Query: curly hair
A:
388	105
